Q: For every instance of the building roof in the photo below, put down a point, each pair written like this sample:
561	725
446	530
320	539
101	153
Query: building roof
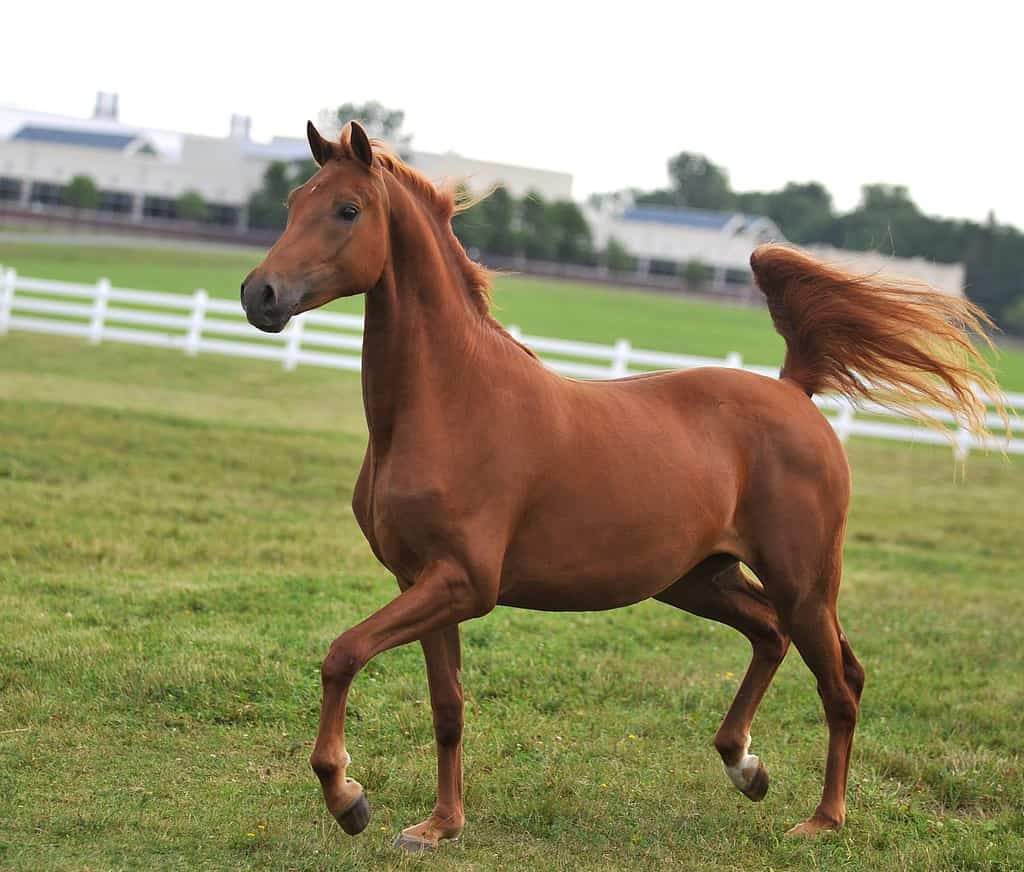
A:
70	136
685	217
702	219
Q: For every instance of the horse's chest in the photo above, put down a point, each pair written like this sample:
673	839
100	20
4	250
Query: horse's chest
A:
402	513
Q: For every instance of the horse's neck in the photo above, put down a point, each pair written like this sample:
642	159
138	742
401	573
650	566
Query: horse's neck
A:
420	328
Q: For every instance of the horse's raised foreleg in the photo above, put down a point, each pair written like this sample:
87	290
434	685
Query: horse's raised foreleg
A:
441	597
718	590
444	666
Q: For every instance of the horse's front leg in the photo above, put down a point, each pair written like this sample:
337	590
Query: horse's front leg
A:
444	666
442	596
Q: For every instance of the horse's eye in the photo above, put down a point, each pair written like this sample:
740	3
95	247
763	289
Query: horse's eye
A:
348	212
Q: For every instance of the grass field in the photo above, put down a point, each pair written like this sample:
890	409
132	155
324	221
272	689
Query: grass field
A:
166	596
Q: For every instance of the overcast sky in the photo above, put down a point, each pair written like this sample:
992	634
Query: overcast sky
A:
922	94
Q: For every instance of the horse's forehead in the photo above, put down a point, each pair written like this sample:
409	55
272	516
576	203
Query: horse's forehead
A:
339	179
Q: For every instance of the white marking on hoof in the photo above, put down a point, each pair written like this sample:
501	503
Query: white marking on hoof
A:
348	759
742	774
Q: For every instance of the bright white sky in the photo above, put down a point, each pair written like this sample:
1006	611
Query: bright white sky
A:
922	94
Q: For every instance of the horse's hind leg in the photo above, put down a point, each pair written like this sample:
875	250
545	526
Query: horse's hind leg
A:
718	590
808	612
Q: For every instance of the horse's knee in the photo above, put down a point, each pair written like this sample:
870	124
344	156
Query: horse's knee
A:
347	655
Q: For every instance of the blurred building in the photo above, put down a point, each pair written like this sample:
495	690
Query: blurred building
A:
946	277
668	241
141	172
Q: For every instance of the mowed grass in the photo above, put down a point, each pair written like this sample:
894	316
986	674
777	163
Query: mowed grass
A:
177	552
540	307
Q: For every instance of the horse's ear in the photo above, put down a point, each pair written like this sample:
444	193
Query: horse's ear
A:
320	147
360	143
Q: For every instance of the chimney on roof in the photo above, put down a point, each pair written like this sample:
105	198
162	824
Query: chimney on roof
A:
241	126
106	106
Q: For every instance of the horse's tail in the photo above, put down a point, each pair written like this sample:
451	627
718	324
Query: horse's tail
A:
867	337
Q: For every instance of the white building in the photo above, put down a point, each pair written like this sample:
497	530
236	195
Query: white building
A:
141	172
946	277
664	240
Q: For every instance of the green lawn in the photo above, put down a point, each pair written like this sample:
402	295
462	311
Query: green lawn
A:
177	552
545	308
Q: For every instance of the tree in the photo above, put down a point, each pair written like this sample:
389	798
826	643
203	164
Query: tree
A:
1013	317
469	224
617	257
697	273
379	121
536	237
699	183
267	209
81	193
886	220
802	210
498	212
570	232
302	171
192	207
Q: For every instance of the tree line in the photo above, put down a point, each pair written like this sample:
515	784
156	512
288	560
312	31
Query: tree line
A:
886	219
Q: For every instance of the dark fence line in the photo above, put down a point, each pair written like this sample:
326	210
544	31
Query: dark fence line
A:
740	293
73	220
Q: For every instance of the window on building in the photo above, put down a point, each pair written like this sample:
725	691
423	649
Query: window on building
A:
159	207
46	193
10	189
117	202
664	268
221	214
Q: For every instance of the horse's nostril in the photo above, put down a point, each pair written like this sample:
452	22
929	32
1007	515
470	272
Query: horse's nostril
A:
241	294
269	297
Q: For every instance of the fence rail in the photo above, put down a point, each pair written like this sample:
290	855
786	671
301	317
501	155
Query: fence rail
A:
196	323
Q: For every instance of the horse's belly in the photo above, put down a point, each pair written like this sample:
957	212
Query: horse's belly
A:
583	567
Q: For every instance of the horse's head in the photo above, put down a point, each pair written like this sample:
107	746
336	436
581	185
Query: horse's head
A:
335	244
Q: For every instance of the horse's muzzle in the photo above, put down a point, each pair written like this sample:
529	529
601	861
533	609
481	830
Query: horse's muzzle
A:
263	304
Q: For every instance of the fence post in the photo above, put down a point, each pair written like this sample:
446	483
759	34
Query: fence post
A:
99	311
293	344
962	443
620	363
844	420
195	326
8	277
734	360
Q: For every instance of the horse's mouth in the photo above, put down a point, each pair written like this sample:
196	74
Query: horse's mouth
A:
271	325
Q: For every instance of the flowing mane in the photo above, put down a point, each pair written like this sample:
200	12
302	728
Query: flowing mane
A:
443	205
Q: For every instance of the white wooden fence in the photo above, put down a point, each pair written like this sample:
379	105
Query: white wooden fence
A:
198	323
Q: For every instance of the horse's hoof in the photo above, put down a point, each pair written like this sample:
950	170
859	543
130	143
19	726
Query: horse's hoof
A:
413	844
758	787
353	820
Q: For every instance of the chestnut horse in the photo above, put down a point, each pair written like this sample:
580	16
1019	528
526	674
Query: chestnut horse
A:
489	480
